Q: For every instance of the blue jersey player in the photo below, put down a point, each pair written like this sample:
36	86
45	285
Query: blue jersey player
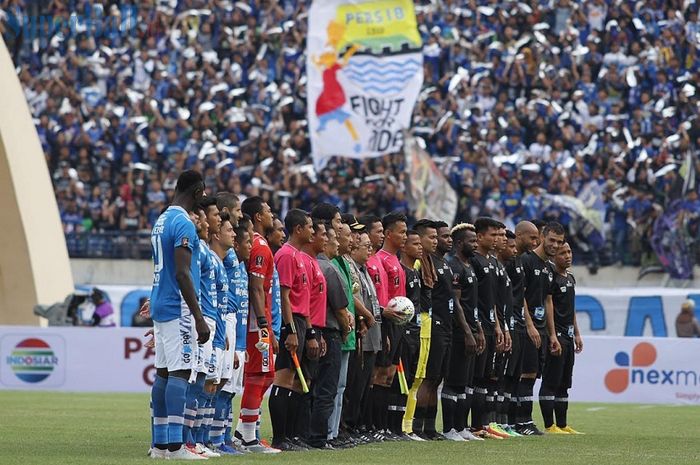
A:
177	318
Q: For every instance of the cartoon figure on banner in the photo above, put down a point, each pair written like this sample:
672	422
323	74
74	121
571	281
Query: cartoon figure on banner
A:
329	105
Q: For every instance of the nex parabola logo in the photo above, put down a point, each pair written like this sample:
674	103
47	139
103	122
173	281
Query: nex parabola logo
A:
32	360
618	379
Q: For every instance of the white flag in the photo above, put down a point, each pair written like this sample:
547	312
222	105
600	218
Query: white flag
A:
429	193
365	71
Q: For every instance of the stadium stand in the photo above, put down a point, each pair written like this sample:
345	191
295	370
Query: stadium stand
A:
524	103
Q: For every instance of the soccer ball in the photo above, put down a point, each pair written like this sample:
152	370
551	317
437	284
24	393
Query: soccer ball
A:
404	306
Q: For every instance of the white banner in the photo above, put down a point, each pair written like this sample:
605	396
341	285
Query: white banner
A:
75	359
637	370
610	369
633	311
365	71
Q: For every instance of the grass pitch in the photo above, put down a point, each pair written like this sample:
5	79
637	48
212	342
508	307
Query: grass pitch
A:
59	428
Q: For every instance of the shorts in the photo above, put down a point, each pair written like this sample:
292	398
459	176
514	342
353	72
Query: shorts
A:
410	350
176	343
461	367
227	356
220	360
391	331
485	363
558	371
439	356
206	350
533	358
424	349
258	362
235	382
284	358
514	363
499	365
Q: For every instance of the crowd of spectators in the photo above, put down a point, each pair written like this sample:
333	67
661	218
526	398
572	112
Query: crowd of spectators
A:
520	100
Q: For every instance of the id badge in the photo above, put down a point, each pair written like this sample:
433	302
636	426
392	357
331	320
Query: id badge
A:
570	331
539	313
376	310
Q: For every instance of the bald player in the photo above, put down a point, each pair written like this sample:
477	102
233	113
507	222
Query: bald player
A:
526	240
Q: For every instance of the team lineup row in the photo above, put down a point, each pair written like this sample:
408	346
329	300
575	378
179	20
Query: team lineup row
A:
314	320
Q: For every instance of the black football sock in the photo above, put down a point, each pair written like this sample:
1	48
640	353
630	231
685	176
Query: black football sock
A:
463	402
381	400
303	416
512	389
401	401
279	406
491	401
561	407
419	420
478	405
547	404
449	399
397	404
430	416
525	395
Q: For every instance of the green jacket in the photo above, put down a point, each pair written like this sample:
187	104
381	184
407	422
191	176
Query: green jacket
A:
344	268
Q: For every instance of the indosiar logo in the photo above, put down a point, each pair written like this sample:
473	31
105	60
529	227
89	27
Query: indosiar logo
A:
32	360
637	371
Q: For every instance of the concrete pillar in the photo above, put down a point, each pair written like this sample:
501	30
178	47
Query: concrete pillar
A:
34	266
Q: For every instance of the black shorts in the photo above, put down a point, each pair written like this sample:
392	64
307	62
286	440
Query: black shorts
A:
514	362
410	349
284	358
533	358
558	371
386	358
461	367
485	364
439	355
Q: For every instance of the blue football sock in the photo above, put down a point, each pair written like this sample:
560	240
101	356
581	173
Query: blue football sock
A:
175	395
228	438
150	405
221	401
198	430
193	391
208	418
160	412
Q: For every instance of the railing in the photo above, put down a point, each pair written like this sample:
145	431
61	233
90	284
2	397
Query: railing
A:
116	244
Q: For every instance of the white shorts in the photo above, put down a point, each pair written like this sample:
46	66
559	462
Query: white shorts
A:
235	383
206	350
176	342
227	359
219	364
